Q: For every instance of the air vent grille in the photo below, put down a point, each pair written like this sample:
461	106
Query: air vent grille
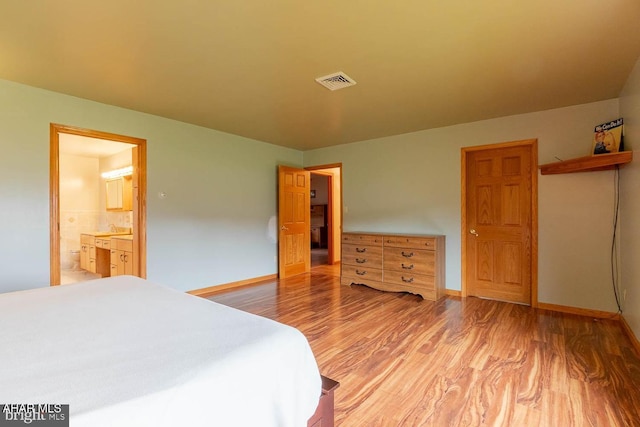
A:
336	81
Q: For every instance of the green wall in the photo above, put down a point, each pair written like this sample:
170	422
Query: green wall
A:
217	222
411	184
213	227
630	204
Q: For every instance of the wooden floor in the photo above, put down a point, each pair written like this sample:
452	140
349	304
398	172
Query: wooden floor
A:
402	361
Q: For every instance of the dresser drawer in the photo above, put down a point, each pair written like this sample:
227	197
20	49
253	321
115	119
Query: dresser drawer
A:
365	260
408	279
365	239
361	250
361	274
410	260
412	242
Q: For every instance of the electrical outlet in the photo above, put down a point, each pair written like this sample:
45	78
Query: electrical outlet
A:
624	295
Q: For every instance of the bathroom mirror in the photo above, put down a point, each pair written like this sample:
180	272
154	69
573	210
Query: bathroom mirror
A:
119	194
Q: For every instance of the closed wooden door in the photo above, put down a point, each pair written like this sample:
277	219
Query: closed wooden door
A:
294	221
499	211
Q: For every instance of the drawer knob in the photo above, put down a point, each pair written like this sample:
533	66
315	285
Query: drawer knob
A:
409	280
407	267
361	250
360	273
361	260
407	255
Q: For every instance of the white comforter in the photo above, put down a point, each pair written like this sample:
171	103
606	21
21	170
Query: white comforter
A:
123	351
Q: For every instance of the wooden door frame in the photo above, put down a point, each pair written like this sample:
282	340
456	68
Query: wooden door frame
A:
330	219
140	203
533	143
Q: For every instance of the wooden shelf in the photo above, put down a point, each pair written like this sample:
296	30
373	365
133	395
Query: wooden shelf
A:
597	162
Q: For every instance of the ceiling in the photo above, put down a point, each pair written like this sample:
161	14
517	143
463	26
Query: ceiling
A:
85	146
249	67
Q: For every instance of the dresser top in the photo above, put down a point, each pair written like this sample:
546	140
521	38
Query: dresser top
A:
371	233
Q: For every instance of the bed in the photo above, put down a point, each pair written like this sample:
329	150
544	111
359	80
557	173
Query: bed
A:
125	351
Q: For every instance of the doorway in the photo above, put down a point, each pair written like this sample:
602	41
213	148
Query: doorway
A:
87	197
326	213
500	222
320	184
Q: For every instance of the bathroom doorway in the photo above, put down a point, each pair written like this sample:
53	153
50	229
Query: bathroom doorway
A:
86	203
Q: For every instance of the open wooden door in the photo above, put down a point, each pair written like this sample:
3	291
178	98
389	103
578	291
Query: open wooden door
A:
294	221
499	222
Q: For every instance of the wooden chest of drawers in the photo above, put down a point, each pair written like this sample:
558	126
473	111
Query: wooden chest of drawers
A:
395	262
361	258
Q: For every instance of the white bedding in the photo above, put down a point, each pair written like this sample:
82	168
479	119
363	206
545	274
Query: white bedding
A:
123	351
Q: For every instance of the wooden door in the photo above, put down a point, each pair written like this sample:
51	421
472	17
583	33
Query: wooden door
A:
294	221
499	206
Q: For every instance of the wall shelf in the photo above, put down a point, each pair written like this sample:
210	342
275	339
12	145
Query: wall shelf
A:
598	162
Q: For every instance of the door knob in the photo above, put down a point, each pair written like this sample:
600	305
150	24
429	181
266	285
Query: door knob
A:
284	228
473	231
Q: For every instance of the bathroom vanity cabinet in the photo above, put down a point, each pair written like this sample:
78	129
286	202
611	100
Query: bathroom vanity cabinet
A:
93	257
121	255
106	254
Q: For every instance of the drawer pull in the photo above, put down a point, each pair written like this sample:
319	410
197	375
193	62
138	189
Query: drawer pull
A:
407	255
361	250
409	280
361	273
361	260
407	267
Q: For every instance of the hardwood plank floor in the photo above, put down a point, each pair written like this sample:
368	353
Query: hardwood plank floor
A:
403	361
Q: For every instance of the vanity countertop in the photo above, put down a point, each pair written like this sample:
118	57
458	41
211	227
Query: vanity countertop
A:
123	236
107	234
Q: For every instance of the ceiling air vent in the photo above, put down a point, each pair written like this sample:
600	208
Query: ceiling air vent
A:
336	81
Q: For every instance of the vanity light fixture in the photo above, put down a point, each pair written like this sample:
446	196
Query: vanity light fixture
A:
118	172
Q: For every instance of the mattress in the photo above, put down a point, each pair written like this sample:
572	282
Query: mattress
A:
125	351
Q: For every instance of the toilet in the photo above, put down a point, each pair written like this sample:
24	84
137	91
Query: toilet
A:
75	259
